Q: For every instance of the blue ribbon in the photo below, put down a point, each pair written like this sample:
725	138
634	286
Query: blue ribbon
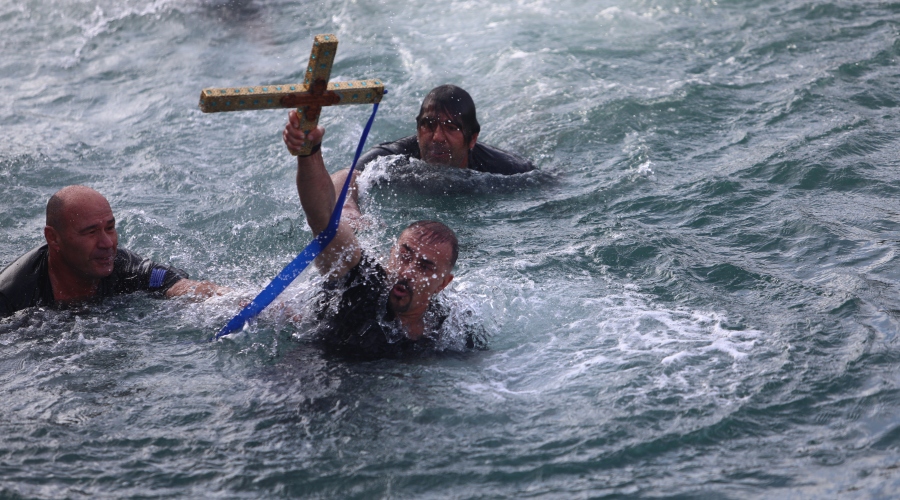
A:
315	247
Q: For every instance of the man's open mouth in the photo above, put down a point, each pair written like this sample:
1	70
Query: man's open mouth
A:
401	290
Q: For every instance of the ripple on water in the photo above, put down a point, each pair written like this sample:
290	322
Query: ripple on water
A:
696	295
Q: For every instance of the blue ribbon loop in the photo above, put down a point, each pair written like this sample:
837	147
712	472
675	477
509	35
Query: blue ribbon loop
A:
315	247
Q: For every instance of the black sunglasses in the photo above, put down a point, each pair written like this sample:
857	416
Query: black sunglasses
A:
431	124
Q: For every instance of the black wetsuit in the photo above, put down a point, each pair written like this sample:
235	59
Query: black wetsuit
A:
482	157
26	282
355	322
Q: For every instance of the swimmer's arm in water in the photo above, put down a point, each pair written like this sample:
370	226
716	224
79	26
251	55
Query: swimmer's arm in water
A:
317	197
351	212
196	289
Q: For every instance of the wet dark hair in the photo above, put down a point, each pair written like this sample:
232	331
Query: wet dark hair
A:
432	231
457	104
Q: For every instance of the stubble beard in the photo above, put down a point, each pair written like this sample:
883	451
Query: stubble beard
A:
402	304
439	155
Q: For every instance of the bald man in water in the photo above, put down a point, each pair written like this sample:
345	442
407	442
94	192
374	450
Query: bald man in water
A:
81	261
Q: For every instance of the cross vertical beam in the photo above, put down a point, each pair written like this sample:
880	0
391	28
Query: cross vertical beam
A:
318	73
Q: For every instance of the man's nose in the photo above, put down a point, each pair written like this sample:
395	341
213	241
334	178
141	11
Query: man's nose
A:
107	239
407	271
403	269
439	134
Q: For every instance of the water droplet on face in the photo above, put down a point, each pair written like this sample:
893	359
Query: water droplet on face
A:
434	276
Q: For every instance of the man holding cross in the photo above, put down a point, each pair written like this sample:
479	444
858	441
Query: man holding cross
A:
379	310
369	310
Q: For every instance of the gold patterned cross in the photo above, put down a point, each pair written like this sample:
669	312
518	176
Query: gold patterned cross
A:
308	97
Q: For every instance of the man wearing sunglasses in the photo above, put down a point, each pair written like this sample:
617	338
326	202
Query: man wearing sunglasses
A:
447	134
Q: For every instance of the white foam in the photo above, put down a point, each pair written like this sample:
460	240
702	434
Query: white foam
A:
619	341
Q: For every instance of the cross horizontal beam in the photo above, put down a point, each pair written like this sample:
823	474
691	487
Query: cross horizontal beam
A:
293	95
308	97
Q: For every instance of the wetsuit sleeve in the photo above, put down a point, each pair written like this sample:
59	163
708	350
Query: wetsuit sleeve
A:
353	299
25	283
408	146
349	310
369	156
133	273
5	309
484	158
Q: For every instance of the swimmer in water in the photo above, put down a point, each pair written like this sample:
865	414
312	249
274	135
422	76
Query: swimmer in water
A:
379	311
447	135
81	261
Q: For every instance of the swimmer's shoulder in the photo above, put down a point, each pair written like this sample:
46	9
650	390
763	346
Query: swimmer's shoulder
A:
407	146
486	158
25	282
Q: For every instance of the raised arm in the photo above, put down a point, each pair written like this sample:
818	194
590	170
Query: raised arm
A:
351	213
317	197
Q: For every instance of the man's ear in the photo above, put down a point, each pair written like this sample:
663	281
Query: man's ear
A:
51	236
473	140
447	279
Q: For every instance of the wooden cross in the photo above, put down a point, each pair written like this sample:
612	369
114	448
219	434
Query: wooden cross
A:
308	97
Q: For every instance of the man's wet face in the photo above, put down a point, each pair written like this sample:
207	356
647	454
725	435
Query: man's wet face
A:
418	269
441	140
87	240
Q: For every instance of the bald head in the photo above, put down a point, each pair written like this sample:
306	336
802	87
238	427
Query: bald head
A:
70	203
81	238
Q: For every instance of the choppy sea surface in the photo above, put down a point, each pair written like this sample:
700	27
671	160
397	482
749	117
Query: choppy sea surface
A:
696	296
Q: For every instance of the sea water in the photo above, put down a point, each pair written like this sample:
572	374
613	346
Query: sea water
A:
696	295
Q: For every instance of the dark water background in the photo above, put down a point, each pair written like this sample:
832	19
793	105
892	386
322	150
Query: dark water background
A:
697	296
